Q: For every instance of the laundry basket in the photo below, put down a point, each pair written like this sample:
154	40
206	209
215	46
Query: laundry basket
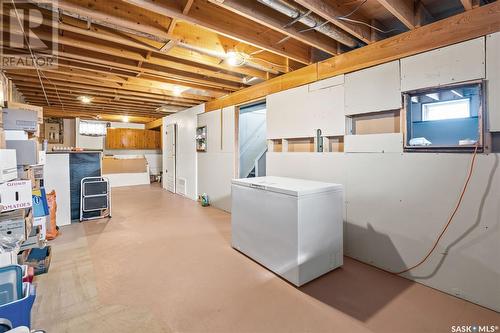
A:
19	312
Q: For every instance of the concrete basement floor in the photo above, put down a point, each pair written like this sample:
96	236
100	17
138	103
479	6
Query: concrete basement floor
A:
165	264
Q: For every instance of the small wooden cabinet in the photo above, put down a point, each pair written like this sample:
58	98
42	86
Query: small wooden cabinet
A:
130	138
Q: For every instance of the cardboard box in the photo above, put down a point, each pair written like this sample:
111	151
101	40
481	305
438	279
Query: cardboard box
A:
16	224
28	107
26	151
8	258
31	172
20	120
112	165
39	259
8	165
41	224
2	139
15	195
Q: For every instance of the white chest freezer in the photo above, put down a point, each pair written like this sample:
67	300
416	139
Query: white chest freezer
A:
291	226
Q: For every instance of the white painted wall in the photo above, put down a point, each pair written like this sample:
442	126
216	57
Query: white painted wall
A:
216	165
186	146
452	64
493	77
373	89
396	203
325	100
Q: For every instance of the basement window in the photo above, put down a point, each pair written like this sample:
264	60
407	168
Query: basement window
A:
91	128
443	119
454	109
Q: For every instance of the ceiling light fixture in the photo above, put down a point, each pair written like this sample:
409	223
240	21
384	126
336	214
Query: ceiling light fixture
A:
236	59
85	99
177	90
125	119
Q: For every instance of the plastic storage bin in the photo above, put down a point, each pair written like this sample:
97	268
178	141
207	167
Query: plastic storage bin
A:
28	273
11	284
19	312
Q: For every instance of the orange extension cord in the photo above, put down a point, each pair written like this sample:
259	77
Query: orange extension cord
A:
471	169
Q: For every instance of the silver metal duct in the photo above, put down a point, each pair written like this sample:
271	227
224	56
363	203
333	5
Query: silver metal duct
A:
311	21
222	56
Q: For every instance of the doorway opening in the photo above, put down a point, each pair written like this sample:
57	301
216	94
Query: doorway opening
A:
252	143
169	158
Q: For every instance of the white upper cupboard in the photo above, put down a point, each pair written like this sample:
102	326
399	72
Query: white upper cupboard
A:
299	112
373	89
455	63
493	77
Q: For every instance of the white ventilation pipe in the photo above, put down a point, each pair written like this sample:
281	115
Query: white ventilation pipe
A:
312	21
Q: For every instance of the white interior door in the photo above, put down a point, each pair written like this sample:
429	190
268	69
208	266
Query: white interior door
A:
170	144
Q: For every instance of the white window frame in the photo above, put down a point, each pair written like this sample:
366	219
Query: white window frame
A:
483	135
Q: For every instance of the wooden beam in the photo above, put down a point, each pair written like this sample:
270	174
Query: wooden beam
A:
104	19
168	46
266	16
403	10
187	7
332	13
28	87
468	25
197	74
155	124
469	4
84	114
76	26
69	81
231	25
26	81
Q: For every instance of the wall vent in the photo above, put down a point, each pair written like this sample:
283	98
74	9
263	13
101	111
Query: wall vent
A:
181	186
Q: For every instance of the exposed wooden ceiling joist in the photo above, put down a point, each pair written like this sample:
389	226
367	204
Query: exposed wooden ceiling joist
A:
333	14
231	25
468	25
469	4
58	113
265	16
404	10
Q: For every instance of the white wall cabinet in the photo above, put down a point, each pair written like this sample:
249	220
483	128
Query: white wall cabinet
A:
300	111
455	63
493	77
373	89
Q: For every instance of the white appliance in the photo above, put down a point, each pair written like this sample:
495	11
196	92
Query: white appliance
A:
291	226
8	165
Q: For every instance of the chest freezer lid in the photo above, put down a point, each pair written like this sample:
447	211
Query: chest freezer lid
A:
289	186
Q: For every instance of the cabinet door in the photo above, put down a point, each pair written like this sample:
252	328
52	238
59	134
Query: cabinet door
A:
373	89
113	138
151	139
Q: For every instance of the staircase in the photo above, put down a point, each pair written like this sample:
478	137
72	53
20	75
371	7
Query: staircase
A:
253	146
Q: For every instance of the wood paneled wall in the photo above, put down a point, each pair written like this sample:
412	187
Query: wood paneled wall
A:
130	138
